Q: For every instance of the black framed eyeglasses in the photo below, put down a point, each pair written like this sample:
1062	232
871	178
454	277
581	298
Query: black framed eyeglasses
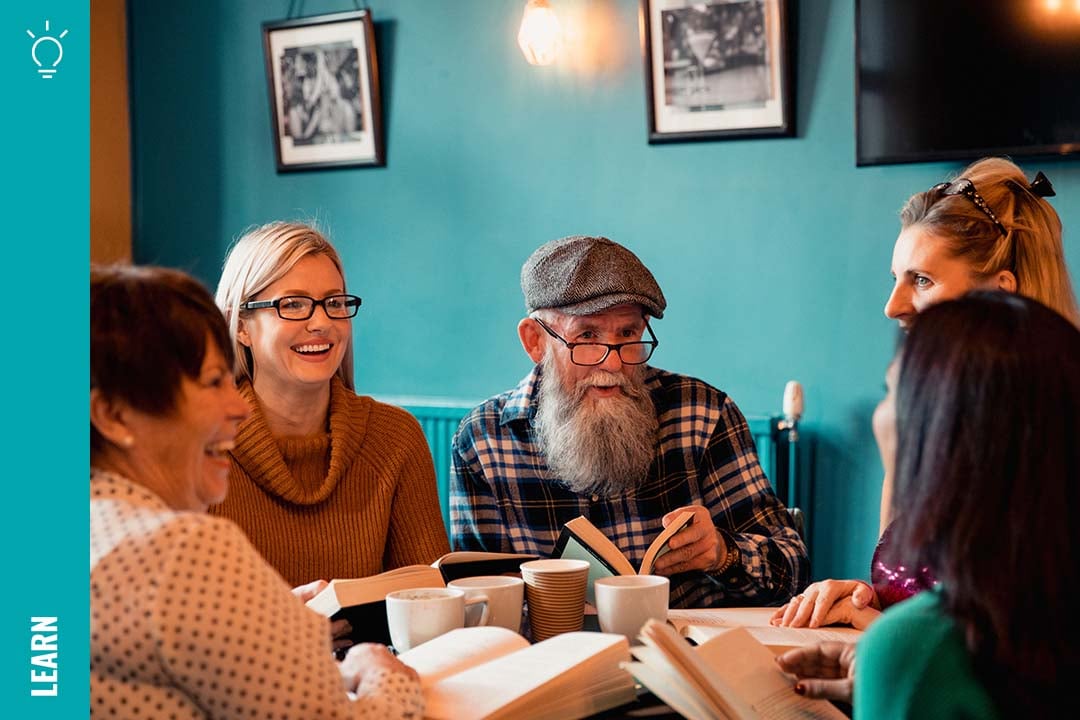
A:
302	307
630	353
965	187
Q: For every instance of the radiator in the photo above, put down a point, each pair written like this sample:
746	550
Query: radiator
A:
777	443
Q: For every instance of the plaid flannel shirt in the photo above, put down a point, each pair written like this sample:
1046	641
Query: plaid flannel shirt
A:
503	498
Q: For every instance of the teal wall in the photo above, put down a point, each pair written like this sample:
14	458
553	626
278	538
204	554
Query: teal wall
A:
773	253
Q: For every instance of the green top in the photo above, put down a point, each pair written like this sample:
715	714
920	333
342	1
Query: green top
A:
913	663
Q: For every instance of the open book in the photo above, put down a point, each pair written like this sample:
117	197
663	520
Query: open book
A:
362	601
581	540
489	673
471	563
730	676
701	625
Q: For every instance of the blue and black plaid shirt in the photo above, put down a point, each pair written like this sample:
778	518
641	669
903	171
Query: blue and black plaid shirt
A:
504	499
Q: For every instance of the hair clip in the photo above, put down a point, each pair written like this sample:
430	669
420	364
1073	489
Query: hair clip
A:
1041	186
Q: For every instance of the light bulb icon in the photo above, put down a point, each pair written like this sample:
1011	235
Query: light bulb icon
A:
42	49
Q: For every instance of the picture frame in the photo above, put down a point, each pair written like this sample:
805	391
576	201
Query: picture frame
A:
717	70
325	103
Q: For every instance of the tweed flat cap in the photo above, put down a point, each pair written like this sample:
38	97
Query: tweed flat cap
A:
582	275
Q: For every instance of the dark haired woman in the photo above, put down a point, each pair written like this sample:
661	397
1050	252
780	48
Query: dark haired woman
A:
987	414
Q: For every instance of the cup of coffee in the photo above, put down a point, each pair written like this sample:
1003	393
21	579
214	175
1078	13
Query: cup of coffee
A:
625	602
555	594
421	614
505	595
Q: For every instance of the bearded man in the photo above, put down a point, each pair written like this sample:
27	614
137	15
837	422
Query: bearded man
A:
595	431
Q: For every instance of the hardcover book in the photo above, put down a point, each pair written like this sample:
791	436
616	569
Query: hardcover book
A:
362	601
581	540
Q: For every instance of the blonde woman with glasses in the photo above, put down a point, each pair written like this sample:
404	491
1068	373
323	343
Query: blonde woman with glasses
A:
326	483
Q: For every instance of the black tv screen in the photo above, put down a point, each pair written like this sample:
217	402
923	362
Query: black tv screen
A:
956	79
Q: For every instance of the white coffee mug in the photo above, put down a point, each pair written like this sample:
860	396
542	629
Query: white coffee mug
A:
505	595
625	602
418	615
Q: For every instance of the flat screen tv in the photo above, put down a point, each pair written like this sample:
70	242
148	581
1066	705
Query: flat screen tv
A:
957	79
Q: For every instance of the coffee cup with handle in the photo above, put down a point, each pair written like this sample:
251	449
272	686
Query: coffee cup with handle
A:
421	614
505	594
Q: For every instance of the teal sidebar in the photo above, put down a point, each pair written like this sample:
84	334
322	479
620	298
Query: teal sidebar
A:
44	116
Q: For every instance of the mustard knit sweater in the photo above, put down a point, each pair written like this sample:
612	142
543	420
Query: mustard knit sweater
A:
353	502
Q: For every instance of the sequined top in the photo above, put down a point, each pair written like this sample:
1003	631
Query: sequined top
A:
895	583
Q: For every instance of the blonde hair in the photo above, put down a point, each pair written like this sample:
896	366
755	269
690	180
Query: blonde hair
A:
1032	248
258	259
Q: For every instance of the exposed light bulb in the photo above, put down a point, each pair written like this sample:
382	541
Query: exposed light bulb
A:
46	70
540	33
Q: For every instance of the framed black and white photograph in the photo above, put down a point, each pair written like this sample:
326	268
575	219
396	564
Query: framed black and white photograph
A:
717	70
324	91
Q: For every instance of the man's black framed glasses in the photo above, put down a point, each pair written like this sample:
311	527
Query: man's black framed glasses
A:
630	353
965	187
302	307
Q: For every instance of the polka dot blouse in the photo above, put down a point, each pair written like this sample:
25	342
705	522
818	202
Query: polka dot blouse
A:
188	621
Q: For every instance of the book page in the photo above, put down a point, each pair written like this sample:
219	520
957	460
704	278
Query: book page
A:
594	541
701	625
711	688
561	668
748	666
460	649
654	671
468	556
571	548
471	563
659	545
345	592
779	639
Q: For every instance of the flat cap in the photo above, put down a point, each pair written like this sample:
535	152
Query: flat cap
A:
582	275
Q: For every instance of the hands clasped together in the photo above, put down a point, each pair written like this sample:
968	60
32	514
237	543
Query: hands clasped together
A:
830	602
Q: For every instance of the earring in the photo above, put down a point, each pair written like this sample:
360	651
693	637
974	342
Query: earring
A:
127	442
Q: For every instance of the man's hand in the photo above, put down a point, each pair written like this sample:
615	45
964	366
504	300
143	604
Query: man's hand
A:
697	546
825	670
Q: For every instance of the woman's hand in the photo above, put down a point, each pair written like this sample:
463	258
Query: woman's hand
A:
825	670
830	602
364	658
339	629
305	592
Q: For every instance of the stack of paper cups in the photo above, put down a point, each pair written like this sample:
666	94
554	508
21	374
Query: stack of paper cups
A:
555	595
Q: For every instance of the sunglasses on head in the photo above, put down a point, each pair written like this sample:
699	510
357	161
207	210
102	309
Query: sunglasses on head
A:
965	187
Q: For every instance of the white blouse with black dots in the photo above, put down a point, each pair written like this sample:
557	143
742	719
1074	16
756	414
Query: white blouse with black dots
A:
188	621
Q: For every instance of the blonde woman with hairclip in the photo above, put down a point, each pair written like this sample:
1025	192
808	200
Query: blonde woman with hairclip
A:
990	228
326	483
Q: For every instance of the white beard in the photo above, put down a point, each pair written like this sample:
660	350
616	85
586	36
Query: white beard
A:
599	446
